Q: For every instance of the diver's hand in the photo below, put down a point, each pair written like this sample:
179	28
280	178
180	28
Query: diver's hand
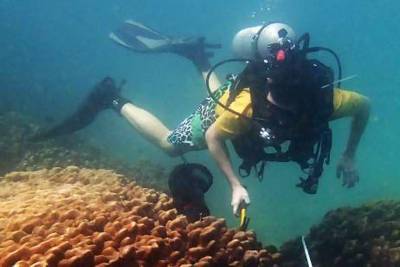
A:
240	198
347	170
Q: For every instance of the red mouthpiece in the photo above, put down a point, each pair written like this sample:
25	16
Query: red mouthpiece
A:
280	55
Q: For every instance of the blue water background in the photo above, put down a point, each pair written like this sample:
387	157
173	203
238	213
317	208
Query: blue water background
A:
52	52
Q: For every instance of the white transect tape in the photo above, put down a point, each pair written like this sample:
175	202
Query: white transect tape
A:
341	80
306	252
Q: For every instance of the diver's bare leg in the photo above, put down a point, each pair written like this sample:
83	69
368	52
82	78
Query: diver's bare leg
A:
149	126
214	82
200	58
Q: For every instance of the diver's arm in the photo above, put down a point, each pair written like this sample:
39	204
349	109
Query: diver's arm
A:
217	147
358	125
346	167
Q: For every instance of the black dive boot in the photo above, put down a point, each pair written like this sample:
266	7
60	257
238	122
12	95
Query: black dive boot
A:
104	95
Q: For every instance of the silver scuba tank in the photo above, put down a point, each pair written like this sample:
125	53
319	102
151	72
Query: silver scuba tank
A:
254	42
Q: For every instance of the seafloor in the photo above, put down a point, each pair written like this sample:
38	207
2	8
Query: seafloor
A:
18	154
55	214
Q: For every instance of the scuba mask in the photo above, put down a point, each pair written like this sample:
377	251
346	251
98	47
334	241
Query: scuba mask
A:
284	67
273	55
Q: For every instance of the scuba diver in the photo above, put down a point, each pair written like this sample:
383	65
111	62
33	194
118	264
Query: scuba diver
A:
280	97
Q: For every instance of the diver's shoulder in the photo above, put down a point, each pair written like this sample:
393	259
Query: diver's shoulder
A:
341	89
344	95
348	91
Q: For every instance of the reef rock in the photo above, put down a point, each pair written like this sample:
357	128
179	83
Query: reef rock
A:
365	236
82	217
13	130
17	153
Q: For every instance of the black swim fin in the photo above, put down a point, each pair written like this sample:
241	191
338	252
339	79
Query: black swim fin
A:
104	95
188	183
140	38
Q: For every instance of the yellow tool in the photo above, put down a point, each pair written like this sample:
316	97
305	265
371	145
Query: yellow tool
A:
244	220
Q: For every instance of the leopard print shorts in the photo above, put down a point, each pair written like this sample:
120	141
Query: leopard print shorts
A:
189	135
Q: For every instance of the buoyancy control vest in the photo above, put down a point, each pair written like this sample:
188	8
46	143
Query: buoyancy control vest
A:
278	135
306	133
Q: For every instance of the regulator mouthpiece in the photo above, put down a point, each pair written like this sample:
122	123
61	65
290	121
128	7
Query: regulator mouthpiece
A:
280	55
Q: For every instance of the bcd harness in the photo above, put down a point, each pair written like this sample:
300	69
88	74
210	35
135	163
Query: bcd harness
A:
279	135
306	133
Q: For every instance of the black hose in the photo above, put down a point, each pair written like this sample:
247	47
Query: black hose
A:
339	64
210	93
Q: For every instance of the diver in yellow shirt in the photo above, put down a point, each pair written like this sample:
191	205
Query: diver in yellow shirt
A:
280	96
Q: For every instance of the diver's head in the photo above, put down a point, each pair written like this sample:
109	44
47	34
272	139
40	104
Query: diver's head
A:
274	46
264	42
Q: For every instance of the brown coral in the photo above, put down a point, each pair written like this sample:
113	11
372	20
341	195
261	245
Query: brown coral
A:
364	236
82	217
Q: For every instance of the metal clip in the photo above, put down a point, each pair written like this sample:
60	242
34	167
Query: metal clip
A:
231	77
266	134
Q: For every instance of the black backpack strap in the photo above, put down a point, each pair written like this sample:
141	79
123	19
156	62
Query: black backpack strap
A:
246	167
321	156
260	172
250	150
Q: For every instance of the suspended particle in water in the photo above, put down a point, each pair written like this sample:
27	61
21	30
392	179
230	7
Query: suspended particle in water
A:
253	15
375	118
116	8
268	5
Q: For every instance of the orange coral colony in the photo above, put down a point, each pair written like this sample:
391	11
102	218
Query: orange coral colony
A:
83	217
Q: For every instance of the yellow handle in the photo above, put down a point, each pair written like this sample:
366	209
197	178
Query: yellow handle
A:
242	216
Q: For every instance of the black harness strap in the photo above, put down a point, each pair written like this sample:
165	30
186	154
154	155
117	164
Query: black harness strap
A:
308	133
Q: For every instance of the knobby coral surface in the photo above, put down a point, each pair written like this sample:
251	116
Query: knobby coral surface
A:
365	236
82	217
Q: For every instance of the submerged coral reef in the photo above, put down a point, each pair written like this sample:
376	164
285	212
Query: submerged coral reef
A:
81	217
17	153
73	216
365	236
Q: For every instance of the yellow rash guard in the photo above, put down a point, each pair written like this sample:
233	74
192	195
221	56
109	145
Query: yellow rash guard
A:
345	103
